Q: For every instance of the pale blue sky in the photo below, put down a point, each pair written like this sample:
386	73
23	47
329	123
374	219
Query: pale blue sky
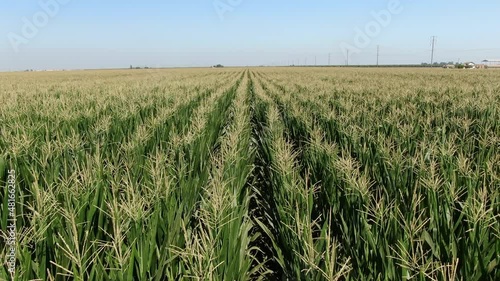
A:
169	33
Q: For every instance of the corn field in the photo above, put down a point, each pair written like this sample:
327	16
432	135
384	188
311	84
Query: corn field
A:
252	174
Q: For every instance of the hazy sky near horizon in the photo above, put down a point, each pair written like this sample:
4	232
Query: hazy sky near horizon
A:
75	34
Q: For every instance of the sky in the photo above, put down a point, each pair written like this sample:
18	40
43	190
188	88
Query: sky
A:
82	34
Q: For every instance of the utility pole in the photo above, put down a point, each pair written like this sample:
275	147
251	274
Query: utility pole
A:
378	53
433	38
347	62
329	57
305	62
315	60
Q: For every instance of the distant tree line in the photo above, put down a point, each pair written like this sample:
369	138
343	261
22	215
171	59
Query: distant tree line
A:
138	67
437	64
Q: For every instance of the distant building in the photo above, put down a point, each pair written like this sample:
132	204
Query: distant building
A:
449	66
470	65
492	63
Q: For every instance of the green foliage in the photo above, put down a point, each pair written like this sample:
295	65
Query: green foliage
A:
275	174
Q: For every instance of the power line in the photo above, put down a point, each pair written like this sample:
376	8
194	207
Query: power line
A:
378	53
433	38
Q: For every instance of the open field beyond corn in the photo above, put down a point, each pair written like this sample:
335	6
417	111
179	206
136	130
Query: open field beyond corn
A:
252	174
